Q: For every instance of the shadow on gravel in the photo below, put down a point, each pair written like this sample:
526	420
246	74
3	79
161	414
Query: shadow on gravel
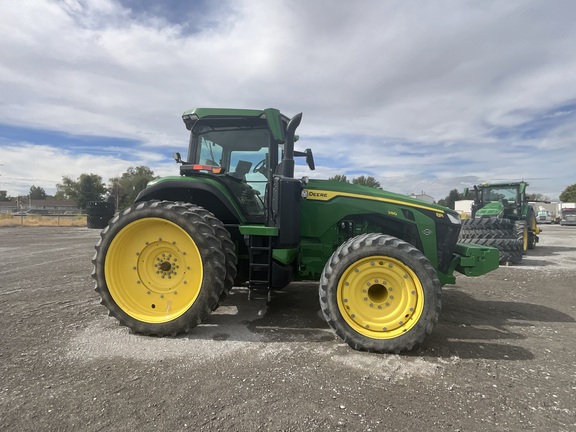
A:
471	328
293	315
468	328
549	250
534	257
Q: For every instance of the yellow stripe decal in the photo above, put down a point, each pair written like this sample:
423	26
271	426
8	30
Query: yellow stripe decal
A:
324	195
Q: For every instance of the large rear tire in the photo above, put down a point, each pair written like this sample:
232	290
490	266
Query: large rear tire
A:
158	268
380	294
499	233
226	243
532	237
522	234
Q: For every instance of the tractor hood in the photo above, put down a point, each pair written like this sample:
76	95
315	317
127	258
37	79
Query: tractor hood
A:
326	190
492	209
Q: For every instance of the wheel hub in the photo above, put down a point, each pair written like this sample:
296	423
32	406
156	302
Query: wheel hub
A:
165	266
158	266
377	293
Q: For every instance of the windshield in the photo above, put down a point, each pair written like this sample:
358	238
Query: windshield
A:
242	153
500	193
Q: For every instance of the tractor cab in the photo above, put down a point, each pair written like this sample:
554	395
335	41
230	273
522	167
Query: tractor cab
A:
502	200
245	150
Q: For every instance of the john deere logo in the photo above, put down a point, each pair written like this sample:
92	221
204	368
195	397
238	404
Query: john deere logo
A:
314	195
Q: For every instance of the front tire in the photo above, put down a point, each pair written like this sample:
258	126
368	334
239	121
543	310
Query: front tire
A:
380	294
158	268
521	230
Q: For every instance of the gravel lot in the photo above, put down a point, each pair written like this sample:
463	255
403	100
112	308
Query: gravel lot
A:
502	358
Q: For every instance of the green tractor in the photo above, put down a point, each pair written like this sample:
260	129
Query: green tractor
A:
236	216
502	218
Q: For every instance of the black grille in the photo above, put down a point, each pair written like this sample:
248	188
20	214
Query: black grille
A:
446	239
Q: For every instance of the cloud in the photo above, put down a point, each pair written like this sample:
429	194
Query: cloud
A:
421	96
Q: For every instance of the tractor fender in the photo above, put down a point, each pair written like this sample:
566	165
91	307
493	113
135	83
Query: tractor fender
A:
213	197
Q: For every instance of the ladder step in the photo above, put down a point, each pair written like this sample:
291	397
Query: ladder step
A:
260	268
259	294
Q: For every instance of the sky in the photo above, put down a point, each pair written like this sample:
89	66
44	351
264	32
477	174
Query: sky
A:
425	96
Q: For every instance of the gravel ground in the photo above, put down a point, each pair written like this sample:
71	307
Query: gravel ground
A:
502	357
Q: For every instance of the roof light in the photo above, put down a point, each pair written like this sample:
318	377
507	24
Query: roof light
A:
209	168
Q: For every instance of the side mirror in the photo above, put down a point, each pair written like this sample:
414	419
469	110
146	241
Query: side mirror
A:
176	156
310	159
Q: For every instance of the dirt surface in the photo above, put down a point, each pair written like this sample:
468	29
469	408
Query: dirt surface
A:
502	357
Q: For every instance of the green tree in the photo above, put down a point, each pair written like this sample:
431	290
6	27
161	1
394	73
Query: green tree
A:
124	189
340	178
37	192
4	196
88	187
569	194
537	197
452	197
367	181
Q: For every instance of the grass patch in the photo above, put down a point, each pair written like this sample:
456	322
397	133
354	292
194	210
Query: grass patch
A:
42	220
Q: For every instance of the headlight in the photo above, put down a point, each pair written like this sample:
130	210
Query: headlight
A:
454	219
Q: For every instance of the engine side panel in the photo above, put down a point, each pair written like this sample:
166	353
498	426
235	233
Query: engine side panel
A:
329	218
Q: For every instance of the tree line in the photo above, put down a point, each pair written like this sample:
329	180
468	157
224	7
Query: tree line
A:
121	191
362	180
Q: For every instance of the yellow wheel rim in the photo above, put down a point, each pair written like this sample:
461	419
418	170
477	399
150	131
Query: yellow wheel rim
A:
534	226
153	270
525	239
380	297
